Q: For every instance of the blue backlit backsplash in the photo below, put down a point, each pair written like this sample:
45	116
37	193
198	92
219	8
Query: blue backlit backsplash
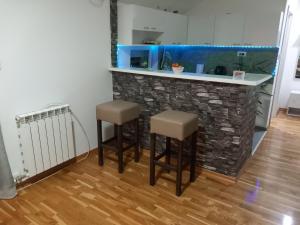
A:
259	59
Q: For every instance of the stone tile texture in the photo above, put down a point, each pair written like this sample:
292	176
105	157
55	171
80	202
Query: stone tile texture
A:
114	31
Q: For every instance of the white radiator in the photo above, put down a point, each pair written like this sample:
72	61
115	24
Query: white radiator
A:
46	139
294	104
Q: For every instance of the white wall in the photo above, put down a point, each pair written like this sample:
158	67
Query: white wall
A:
289	82
261	16
52	51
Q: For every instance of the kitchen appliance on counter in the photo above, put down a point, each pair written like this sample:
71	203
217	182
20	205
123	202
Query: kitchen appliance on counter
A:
139	59
220	70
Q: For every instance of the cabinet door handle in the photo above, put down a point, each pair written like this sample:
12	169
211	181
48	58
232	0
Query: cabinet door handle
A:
153	28
146	28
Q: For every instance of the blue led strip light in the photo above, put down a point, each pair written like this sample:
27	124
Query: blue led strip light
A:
206	46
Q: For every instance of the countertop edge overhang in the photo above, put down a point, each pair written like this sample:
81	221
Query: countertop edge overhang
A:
251	79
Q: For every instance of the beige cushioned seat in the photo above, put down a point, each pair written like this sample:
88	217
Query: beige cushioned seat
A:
118	111
174	124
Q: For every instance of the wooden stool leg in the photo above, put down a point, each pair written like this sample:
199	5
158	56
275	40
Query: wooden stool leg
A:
193	158
115	131
179	169
100	143
152	156
168	151
120	148
116	135
137	145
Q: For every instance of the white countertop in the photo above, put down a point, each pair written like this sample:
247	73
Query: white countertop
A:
251	79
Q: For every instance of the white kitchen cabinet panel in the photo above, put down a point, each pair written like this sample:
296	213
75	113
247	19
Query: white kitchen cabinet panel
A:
125	23
261	29
175	29
201	29
148	19
229	29
137	24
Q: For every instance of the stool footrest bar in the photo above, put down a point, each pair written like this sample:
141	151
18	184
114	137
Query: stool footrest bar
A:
165	166
159	156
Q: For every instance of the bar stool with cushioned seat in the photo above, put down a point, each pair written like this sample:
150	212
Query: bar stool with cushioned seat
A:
119	113
177	125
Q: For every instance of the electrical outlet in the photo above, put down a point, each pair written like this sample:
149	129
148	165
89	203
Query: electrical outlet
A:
241	54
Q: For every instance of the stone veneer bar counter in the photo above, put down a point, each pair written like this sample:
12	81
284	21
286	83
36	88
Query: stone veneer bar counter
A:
226	109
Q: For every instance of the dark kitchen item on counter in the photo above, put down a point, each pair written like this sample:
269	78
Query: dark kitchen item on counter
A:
221	70
139	59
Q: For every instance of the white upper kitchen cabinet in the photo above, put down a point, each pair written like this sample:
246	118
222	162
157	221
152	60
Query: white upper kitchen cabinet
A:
261	29
235	22
148	19
201	29
137	24
229	29
175	29
125	24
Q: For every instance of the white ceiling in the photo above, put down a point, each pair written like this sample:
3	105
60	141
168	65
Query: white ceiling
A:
181	5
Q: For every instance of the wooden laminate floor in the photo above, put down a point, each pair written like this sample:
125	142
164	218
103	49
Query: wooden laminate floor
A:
267	193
